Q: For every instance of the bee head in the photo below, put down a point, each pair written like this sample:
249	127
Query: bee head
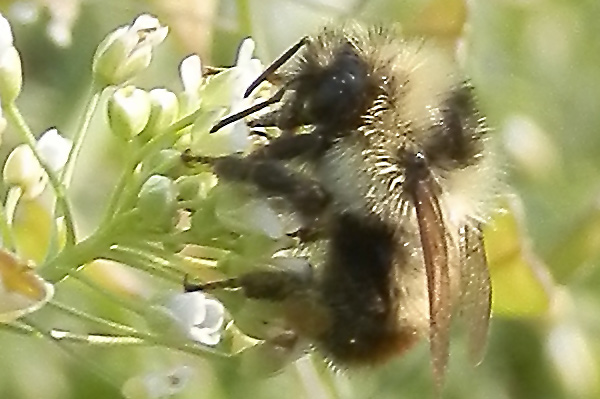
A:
333	94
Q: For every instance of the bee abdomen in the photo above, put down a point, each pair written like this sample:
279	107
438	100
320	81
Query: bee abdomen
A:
358	288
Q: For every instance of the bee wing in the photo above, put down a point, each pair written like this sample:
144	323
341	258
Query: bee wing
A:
434	241
476	290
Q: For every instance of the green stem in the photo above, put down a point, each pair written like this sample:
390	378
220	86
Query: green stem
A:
93	319
117	194
90	108
123	191
123	302
68	260
17	120
138	339
141	260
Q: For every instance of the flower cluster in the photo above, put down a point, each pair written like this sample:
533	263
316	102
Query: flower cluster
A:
165	217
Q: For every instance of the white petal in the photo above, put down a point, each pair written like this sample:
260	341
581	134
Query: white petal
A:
149	30
145	22
215	315
205	336
245	52
189	308
54	149
190	71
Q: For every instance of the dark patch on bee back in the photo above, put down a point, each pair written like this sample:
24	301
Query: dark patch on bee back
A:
457	141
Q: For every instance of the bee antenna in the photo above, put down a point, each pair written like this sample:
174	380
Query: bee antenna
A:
282	59
249	111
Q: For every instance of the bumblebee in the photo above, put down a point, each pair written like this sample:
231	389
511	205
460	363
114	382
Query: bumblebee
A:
386	158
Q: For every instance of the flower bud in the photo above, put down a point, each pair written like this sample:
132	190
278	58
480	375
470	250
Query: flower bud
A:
127	51
157	201
54	149
22	169
128	111
164	109
3	124
196	186
11	77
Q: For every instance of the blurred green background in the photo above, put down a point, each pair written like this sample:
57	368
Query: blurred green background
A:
536	68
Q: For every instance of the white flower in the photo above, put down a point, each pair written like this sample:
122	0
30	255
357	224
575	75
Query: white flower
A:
21	290
23	169
200	318
128	50
157	385
224	91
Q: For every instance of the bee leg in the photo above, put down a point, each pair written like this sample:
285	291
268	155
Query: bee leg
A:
290	146
306	195
268	285
269	119
263	170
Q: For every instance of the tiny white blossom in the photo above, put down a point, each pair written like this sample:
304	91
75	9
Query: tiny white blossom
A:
128	50
21	290
157	385
227	89
200	318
